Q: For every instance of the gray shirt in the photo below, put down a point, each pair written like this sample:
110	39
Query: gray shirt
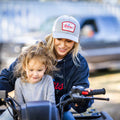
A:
43	90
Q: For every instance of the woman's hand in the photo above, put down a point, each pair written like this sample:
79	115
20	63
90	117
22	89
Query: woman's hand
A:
87	89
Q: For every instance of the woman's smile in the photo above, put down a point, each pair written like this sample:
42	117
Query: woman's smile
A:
63	47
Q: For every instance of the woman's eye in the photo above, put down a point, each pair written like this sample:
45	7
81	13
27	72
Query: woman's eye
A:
69	41
58	38
40	70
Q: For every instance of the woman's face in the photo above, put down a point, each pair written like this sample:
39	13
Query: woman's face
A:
35	70
62	47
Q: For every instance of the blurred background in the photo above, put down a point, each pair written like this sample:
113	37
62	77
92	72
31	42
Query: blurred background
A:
23	22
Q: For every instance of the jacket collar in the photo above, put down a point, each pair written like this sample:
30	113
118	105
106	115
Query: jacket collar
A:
67	57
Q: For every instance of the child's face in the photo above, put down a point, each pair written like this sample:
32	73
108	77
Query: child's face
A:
35	70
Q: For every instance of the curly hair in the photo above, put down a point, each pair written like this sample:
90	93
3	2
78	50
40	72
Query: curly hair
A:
43	54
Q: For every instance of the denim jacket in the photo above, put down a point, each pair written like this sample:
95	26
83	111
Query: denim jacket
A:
70	75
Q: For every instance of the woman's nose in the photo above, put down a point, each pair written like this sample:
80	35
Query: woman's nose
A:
62	44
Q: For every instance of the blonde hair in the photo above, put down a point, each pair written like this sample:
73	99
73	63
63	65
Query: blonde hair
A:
39	50
50	44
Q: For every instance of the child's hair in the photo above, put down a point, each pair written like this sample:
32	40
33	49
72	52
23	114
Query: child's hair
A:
40	51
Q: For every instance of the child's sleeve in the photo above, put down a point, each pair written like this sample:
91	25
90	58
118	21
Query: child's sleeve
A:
50	91
18	91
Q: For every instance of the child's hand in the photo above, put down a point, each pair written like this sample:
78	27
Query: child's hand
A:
12	94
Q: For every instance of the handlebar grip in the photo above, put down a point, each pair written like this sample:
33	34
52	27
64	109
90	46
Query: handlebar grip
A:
97	92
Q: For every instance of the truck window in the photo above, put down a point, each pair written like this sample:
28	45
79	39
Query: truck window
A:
88	28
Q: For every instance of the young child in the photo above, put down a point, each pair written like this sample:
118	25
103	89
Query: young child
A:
35	65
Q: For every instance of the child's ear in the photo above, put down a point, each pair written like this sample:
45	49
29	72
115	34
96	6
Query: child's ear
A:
45	69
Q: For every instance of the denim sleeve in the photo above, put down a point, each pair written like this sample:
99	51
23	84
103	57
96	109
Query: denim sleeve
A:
7	78
81	78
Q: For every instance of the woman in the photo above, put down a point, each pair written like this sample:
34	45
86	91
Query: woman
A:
73	68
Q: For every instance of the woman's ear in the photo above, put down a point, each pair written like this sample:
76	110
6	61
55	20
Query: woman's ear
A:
24	67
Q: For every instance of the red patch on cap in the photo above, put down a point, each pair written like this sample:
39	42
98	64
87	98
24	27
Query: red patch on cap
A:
68	26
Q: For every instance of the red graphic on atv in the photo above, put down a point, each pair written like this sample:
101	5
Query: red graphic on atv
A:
58	86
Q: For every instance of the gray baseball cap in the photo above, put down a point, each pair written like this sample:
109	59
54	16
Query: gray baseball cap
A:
66	27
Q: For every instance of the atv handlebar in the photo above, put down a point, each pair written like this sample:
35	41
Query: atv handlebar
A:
95	92
82	91
78	93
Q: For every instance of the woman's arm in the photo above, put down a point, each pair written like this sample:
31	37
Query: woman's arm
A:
81	79
7	79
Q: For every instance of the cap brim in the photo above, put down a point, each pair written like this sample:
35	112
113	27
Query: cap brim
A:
66	36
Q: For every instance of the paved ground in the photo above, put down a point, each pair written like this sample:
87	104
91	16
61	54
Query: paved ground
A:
110	80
